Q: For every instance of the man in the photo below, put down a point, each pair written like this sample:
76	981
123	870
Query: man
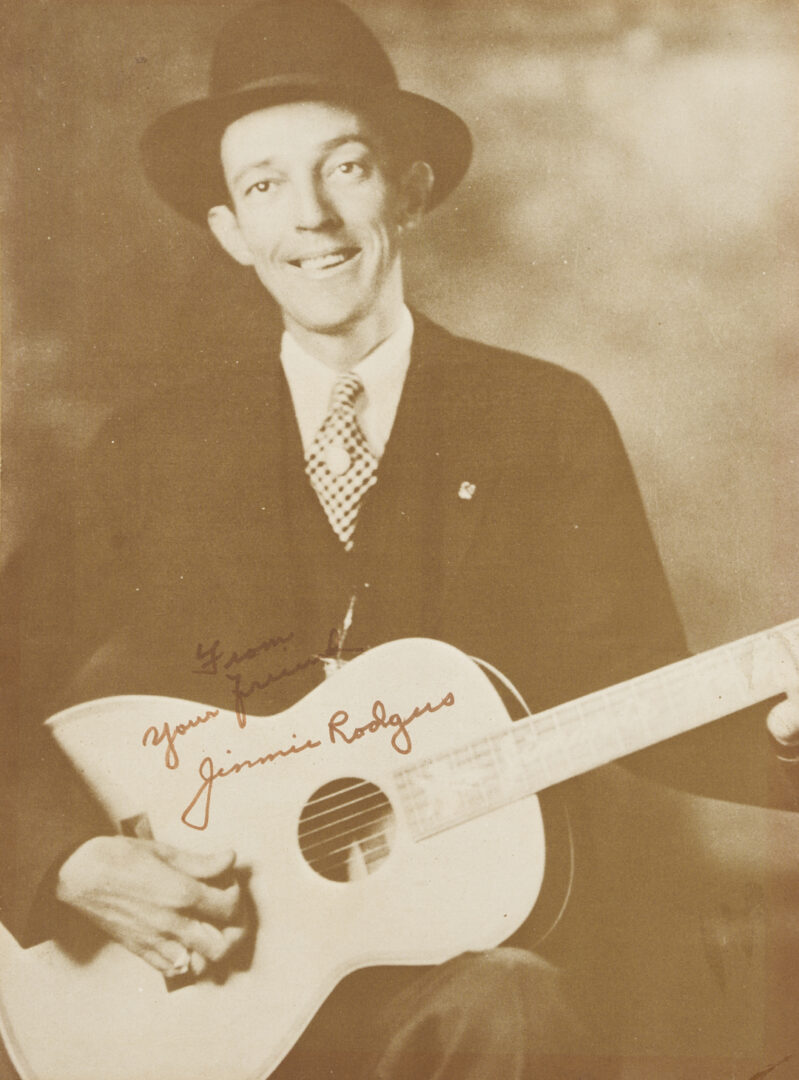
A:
363	477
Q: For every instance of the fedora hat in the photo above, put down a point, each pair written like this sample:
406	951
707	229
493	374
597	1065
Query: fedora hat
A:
281	51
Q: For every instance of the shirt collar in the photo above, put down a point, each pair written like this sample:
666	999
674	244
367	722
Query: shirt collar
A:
382	373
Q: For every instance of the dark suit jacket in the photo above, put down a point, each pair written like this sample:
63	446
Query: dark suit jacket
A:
193	523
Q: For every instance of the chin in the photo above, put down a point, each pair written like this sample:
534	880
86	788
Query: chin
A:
334	321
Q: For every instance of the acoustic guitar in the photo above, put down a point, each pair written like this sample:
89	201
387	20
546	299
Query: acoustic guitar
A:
390	817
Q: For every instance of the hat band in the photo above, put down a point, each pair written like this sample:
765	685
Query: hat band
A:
296	78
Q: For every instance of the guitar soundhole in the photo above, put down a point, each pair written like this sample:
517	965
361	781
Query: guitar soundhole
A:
346	829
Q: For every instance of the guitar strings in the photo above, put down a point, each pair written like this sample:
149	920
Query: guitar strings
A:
546	729
339	842
380	805
339	834
371	847
546	723
339	791
364	785
371	793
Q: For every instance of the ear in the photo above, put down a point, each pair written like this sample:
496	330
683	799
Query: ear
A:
415	188
224	224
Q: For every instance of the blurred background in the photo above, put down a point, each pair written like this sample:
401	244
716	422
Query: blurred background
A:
630	214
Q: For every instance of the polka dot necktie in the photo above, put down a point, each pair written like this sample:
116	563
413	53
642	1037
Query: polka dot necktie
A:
339	463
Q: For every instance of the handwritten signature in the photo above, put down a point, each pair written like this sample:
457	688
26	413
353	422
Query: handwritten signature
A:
243	689
213	656
381	720
169	733
214	660
400	740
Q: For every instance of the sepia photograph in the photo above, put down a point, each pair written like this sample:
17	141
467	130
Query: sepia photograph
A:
399	540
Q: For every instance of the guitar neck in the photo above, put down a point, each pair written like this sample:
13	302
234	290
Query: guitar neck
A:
549	747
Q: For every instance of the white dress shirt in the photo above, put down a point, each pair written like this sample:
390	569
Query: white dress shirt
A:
382	373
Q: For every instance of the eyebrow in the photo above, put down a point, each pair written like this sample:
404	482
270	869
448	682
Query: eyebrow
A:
326	148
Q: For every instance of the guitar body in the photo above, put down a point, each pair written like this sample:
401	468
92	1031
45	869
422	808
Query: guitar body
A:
323	826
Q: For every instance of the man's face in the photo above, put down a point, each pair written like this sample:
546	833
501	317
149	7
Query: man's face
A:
315	212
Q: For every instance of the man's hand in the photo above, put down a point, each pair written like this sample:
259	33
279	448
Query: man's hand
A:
783	724
156	900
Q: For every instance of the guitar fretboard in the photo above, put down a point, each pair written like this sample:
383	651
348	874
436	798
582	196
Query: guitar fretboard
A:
544	749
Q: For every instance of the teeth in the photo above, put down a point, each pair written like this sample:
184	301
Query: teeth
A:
323	262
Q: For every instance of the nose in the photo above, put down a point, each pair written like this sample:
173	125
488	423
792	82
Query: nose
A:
313	209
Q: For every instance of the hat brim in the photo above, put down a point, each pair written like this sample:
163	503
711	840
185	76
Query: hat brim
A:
180	150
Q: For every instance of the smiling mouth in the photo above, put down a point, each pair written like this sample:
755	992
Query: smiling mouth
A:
327	261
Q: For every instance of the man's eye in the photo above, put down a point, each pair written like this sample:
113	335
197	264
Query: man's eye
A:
261	186
351	168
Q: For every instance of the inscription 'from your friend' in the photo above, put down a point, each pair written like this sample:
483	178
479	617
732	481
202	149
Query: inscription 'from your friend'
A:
198	812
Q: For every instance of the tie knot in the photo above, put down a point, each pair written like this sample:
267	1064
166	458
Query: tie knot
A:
345	391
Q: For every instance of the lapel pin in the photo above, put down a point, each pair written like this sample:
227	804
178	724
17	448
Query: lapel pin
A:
467	490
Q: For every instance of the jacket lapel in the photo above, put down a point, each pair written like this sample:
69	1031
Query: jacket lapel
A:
436	478
437	474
